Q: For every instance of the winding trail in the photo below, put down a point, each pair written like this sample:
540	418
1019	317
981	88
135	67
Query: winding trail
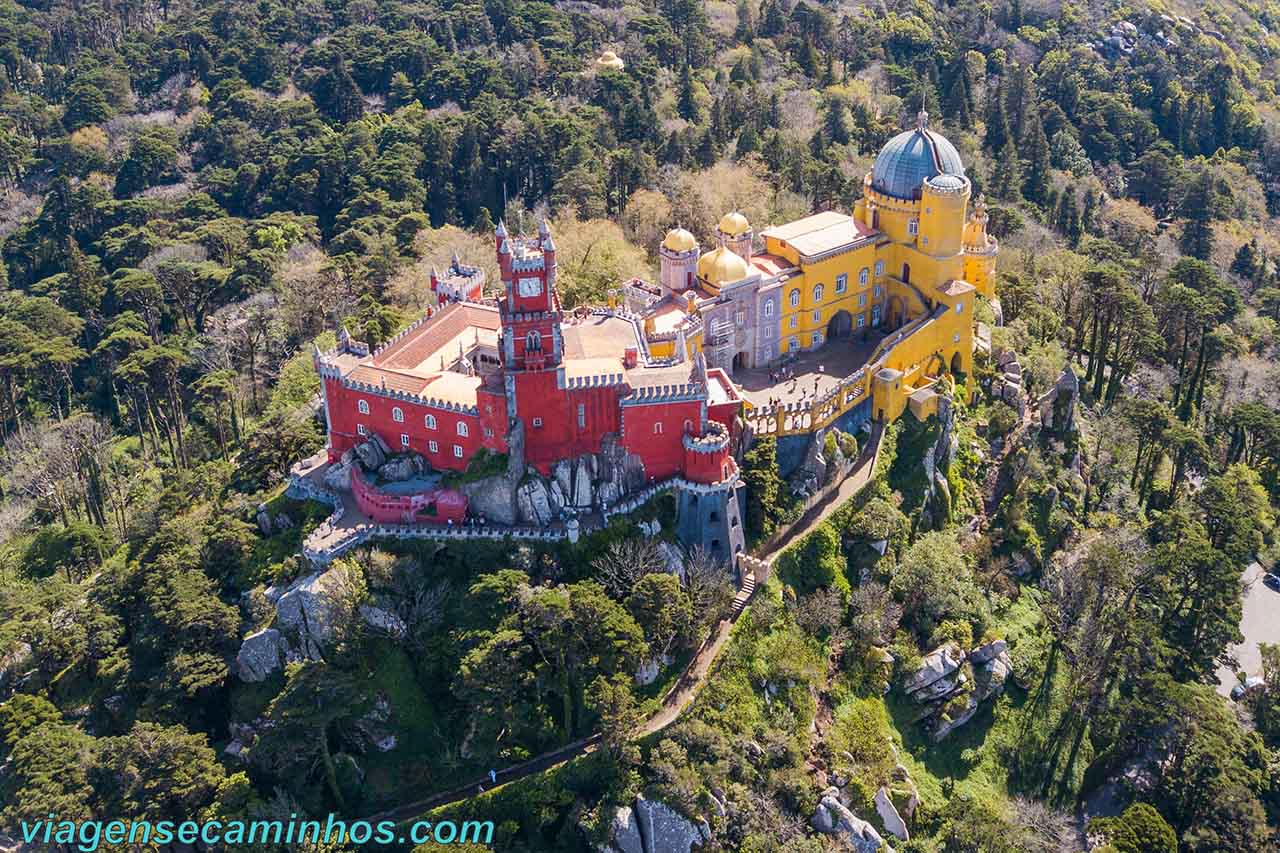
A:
681	694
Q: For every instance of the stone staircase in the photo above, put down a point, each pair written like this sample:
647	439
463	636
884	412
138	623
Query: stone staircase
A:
743	596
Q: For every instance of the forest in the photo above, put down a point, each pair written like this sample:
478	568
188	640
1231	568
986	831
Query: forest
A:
195	195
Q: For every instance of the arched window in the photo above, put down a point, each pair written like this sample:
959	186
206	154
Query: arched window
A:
657	428
397	415
533	342
431	421
462	428
864	276
795	297
879	268
363	406
768	308
913	226
817	293
688	426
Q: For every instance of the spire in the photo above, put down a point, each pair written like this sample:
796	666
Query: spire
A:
922	120
544	230
501	231
505	248
548	245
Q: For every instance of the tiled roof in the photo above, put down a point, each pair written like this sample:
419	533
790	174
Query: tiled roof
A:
428	339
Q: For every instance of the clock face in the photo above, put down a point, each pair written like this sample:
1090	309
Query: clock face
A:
530	286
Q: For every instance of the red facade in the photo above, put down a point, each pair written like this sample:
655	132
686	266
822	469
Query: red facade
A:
569	383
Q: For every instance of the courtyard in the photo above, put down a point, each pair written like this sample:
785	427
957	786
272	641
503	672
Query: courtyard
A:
809	373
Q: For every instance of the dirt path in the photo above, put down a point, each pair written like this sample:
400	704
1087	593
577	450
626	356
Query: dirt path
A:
681	695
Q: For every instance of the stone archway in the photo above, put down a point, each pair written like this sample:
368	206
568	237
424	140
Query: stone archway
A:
840	326
957	364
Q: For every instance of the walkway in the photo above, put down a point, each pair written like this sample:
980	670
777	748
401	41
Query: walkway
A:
681	695
1259	623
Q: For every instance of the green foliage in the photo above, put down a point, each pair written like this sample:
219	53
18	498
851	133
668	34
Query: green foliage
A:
815	562
765	487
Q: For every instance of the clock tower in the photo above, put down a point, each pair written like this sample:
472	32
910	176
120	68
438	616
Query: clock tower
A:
530	306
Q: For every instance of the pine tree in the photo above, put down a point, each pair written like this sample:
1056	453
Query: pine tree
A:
706	155
688	103
1069	217
1006	178
748	140
1089	216
1035	145
775	19
958	106
337	94
1199	206
745	32
1246	262
996	120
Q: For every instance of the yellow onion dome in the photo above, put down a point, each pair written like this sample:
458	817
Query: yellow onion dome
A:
721	266
679	240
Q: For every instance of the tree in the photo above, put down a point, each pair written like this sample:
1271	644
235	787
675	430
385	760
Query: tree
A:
662	610
1237	513
1140	829
933	582
1006	178
1035	150
625	562
764	485
620	716
336	93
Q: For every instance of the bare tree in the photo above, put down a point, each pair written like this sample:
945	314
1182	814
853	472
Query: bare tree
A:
710	585
624	562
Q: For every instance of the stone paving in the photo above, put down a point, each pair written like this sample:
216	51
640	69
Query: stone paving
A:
820	370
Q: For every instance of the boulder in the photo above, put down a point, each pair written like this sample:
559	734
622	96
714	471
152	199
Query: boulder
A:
893	822
307	609
609	493
562	472
383	620
338	477
264	520
946	727
939	663
261	654
982	654
647	672
944	686
493	498
534	502
398	469
833	817
583	494
624	831
989	679
663	829
558	499
371	454
1058	405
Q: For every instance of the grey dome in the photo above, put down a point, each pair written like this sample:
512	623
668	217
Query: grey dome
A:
911	158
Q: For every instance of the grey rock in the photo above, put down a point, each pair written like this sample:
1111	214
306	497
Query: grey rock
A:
582	492
939	663
493	498
398	469
624	831
946	727
338	477
562	471
261	654
647	672
558	500
833	817
383	620
893	822
982	654
990	678
264	520
534	502
307	608
371	454
663	829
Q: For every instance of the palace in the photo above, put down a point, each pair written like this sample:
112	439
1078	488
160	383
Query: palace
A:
650	380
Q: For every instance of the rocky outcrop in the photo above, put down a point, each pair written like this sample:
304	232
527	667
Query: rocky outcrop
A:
1007	384
1058	405
651	826
833	817
261	654
372	453
397	469
937	508
893	822
533	500
949	687
307	609
383	620
822	460
493	499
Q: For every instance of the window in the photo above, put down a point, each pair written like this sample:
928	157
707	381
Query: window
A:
457	451
795	297
864	276
582	415
959	307
928	210
533	342
862	320
488	433
740	319
360	429
955	339
688	426
817	293
926	241
397	415
433	447
363	406
430	421
537	422
793	343
879	268
842	282
793	321
817	339
404	439
768	308
657	428
875	315
862	299
817	316
463	430
913	226
877	291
